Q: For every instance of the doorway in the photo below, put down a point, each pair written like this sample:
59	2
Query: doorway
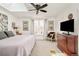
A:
39	28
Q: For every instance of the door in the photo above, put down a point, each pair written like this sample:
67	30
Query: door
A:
39	28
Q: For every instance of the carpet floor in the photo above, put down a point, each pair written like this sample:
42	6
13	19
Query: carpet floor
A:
43	47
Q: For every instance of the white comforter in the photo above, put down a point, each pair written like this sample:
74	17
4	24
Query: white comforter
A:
17	46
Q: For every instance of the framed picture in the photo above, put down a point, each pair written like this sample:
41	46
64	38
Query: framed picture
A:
50	25
25	26
13	24
3	22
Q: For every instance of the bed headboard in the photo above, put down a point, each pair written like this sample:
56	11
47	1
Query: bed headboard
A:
3	22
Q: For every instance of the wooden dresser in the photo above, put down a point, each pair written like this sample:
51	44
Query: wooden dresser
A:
68	44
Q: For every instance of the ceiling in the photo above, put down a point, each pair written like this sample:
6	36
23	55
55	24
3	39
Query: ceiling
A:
20	10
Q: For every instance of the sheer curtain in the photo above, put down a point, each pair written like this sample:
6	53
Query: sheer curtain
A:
39	27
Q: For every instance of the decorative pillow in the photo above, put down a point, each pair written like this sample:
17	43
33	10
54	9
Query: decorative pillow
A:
9	33
2	35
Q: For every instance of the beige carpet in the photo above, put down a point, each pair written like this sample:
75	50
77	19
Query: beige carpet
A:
43	47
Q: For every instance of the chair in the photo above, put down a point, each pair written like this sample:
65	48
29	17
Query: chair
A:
51	36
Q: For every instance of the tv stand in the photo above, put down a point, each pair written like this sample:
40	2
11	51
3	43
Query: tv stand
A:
68	44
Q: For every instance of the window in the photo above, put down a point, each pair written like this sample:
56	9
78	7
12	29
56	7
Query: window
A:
39	27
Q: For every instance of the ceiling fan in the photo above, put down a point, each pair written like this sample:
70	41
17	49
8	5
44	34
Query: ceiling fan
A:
38	7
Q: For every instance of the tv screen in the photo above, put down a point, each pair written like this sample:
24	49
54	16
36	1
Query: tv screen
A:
67	26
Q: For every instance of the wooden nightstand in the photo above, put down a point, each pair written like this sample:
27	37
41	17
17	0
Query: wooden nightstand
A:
18	33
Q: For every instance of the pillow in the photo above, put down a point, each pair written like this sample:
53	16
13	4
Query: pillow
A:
9	33
2	35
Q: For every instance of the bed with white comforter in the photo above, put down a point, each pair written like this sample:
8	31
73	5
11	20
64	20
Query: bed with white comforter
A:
20	45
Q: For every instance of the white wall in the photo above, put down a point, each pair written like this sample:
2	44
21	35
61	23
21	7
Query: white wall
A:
11	18
64	16
19	23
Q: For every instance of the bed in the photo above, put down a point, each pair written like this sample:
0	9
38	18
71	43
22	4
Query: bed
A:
19	45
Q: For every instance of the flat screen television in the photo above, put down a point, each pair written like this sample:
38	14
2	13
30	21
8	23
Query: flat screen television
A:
67	26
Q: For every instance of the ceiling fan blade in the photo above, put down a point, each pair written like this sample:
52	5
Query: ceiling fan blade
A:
43	6
33	5
43	11
32	10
